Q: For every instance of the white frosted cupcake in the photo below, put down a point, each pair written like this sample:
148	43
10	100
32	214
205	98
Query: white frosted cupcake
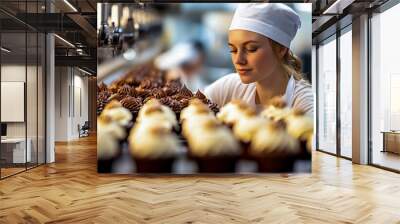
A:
301	127
158	111
196	107
117	113
109	134
277	110
232	112
154	148
214	148
274	149
247	125
196	122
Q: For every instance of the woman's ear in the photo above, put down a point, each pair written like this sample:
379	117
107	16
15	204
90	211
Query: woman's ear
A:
282	52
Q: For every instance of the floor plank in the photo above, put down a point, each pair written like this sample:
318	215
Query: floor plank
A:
70	191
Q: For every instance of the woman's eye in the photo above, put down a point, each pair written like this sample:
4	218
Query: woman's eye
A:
232	51
251	49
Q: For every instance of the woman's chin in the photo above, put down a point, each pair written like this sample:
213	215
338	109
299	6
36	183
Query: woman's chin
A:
246	79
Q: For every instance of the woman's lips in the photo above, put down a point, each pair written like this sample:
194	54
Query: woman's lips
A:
243	71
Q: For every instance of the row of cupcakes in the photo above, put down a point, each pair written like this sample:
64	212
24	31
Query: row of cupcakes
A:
138	86
211	145
275	138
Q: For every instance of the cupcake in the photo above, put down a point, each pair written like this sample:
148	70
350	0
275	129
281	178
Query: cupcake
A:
214	148
116	96
301	127
196	122
102	87
102	101
213	107
195	107
117	113
274	149
109	134
174	105
245	129
133	104
153	148
185	92
152	107
125	90
232	112
277	110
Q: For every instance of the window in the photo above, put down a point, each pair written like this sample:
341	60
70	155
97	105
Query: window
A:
385	89
327	96
346	75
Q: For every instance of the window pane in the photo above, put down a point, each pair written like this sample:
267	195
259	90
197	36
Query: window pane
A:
327	97
346	94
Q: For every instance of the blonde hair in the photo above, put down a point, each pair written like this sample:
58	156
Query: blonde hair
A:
290	62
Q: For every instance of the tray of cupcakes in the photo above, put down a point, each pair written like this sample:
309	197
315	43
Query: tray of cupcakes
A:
157	122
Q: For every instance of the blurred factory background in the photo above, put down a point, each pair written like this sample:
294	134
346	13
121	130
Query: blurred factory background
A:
183	33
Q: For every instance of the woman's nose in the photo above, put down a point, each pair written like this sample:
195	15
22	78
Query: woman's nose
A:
240	58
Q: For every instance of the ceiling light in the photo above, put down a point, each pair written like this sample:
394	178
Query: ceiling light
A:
84	71
70	5
338	6
65	41
5	50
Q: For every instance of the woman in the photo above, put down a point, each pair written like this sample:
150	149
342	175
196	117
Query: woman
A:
259	40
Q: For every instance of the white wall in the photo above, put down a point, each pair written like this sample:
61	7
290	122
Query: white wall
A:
71	94
61	103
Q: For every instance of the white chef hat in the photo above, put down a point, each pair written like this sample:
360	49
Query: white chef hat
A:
276	21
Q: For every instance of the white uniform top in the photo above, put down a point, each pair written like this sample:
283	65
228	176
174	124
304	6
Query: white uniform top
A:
298	92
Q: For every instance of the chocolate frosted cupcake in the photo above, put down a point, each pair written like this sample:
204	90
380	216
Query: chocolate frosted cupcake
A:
301	127
113	88
141	92
175	106
109	134
102	100
213	107
172	87
199	95
158	93
116	96
185	92
132	104
274	149
125	90
153	148
102	87
214	148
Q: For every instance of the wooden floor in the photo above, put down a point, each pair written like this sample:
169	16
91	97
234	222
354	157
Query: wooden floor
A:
70	191
386	159
10	171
